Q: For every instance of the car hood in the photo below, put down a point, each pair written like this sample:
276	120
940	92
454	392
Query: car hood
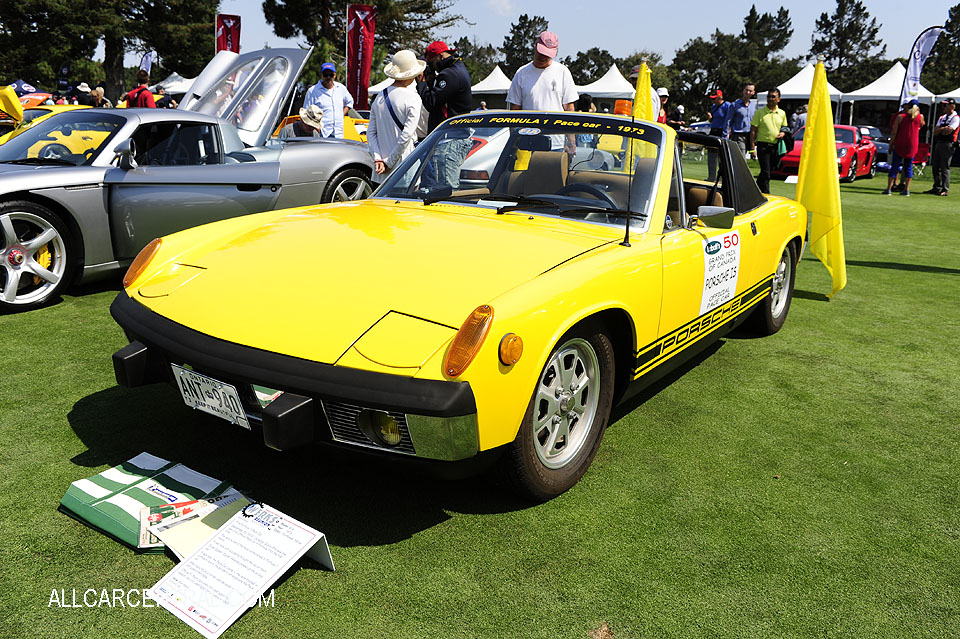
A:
310	283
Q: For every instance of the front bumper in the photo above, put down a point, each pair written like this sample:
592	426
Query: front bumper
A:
439	416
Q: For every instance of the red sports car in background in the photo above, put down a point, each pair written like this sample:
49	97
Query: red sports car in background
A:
856	154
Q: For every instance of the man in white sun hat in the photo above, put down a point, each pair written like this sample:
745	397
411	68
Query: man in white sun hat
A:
311	119
395	114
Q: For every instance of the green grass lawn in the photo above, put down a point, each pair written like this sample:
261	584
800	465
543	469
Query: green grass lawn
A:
798	485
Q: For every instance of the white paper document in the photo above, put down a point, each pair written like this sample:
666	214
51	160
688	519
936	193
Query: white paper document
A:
227	574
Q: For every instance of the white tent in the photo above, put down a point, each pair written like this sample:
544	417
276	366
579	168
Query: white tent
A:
611	85
380	86
175	83
886	87
955	94
798	87
496	82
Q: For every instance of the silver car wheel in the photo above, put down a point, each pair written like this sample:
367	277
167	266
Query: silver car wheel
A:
352	188
779	294
565	405
24	236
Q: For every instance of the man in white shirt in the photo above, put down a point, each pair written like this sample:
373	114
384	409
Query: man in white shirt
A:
544	84
333	98
944	139
395	115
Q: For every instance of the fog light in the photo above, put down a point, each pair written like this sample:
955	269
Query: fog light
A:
379	427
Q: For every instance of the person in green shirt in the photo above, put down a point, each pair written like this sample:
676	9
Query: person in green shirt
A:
765	133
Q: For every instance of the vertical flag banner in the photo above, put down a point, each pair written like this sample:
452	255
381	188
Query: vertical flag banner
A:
146	62
918	55
818	185
361	23
228	33
642	110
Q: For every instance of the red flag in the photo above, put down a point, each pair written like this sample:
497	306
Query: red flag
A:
228	33
361	22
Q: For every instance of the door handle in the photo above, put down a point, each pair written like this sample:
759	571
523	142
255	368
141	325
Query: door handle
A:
248	187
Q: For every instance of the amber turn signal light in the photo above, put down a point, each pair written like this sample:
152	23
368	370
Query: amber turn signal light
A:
511	348
467	341
141	262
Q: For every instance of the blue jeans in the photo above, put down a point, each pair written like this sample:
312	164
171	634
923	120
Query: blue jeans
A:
443	168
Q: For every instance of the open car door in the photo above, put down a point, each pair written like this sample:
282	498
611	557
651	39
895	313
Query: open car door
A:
247	90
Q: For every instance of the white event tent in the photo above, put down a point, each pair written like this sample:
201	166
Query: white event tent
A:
380	86
611	85
886	87
175	83
496	82
798	87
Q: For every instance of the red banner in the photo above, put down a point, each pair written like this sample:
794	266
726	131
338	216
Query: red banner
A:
361	22
228	33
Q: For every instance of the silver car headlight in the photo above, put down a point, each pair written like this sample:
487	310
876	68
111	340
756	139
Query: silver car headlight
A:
842	152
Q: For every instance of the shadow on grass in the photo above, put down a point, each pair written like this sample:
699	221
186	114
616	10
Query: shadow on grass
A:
810	295
353	499
906	267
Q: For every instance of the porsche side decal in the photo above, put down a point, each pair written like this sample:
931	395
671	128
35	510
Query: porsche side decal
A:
672	343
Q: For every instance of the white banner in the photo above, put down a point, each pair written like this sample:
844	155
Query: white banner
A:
921	49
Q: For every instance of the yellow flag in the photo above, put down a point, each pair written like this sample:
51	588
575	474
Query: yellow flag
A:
642	110
818	185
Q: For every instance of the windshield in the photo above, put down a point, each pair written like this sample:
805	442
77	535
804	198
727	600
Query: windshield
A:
74	137
841	135
570	165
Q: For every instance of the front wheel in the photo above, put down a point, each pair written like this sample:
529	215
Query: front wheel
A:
346	186
771	313
566	417
852	172
873	167
36	255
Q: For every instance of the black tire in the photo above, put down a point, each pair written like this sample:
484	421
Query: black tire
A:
771	313
348	185
873	167
537	463
37	273
852	171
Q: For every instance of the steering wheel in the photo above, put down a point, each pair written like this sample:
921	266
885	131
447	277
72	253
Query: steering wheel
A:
589	189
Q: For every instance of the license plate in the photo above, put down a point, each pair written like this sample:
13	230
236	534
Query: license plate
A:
210	395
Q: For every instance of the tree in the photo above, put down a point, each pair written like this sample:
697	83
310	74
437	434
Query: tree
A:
589	66
769	33
661	75
401	24
517	47
480	59
941	73
847	40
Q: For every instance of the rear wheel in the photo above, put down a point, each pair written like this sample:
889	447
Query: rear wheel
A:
566	417
771	313
348	185
36	255
873	167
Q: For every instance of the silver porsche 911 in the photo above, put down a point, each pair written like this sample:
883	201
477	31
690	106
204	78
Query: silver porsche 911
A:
83	191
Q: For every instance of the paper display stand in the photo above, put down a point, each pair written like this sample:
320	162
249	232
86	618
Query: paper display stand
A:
226	575
111	501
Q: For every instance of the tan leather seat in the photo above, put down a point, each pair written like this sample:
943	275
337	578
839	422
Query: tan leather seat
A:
697	195
546	173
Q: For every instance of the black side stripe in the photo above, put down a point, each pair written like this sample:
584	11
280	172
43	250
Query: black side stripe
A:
653	354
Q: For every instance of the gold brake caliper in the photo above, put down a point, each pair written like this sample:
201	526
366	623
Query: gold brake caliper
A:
44	258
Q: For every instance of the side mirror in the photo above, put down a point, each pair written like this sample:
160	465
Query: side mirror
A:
717	217
125	151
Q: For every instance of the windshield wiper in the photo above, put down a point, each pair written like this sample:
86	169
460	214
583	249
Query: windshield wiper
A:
40	161
445	196
579	208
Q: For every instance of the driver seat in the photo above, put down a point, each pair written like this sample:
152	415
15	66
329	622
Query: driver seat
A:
546	173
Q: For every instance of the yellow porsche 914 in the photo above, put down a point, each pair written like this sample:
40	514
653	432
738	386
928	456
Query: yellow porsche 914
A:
511	280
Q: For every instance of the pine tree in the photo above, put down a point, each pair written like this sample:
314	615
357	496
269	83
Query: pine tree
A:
848	41
517	47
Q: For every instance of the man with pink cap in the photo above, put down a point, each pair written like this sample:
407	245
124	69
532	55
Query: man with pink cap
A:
544	84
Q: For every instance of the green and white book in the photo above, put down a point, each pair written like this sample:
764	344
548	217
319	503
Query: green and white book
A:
111	501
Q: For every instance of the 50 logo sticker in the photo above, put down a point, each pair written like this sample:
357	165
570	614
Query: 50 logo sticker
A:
721	266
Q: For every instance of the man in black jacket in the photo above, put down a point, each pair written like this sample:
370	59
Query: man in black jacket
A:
448	94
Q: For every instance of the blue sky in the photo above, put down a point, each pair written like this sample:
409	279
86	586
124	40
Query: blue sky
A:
624	26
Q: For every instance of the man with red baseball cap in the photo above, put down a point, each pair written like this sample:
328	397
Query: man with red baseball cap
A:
446	92
717	114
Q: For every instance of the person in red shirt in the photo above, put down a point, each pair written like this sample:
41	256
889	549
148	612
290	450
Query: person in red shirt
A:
141	96
906	142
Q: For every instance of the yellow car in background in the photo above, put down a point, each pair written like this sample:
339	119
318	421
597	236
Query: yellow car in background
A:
33	115
467	326
354	128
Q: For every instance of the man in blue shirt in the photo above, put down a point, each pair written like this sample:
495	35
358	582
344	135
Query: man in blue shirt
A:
718	115
332	98
739	117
